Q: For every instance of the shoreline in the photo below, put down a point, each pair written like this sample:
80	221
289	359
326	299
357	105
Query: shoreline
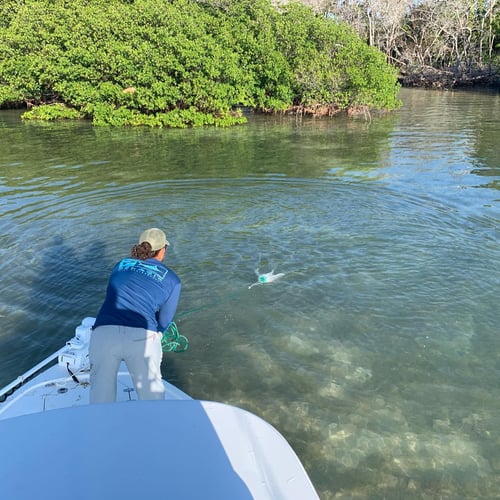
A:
429	77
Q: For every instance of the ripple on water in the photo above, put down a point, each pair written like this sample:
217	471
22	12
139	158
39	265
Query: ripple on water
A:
358	354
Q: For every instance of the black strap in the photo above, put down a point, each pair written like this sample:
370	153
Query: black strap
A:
73	376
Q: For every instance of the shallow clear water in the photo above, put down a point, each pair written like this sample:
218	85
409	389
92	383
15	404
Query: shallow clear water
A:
376	355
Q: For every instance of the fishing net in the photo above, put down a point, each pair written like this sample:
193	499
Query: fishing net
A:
173	341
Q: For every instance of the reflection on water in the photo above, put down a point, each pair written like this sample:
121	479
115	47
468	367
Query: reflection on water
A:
376	353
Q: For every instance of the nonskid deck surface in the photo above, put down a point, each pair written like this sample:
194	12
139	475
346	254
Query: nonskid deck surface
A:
56	388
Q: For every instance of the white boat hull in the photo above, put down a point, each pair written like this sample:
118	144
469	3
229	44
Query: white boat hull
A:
55	445
178	449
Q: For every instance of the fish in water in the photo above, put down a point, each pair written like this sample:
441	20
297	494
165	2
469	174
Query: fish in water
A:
266	278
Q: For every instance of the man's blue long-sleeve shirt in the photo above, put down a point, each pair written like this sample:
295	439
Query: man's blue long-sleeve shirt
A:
142	294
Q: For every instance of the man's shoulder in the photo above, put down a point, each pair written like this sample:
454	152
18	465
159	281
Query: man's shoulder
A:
167	274
172	275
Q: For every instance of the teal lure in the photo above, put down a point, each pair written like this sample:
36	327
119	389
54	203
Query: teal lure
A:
266	278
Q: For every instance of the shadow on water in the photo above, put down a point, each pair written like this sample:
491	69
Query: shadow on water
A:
64	290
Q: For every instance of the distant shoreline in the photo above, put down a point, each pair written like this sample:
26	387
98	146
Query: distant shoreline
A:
429	77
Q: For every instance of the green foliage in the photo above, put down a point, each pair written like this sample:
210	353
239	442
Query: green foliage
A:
178	63
332	66
49	112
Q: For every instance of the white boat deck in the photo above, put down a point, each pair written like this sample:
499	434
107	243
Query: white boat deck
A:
184	449
55	445
55	388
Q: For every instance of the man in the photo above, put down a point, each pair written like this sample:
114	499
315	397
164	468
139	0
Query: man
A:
141	300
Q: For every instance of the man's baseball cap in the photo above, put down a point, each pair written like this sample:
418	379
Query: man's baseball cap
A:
155	237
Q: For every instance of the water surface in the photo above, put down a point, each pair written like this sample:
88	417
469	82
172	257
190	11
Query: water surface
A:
376	355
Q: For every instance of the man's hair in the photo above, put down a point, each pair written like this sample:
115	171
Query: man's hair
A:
143	251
